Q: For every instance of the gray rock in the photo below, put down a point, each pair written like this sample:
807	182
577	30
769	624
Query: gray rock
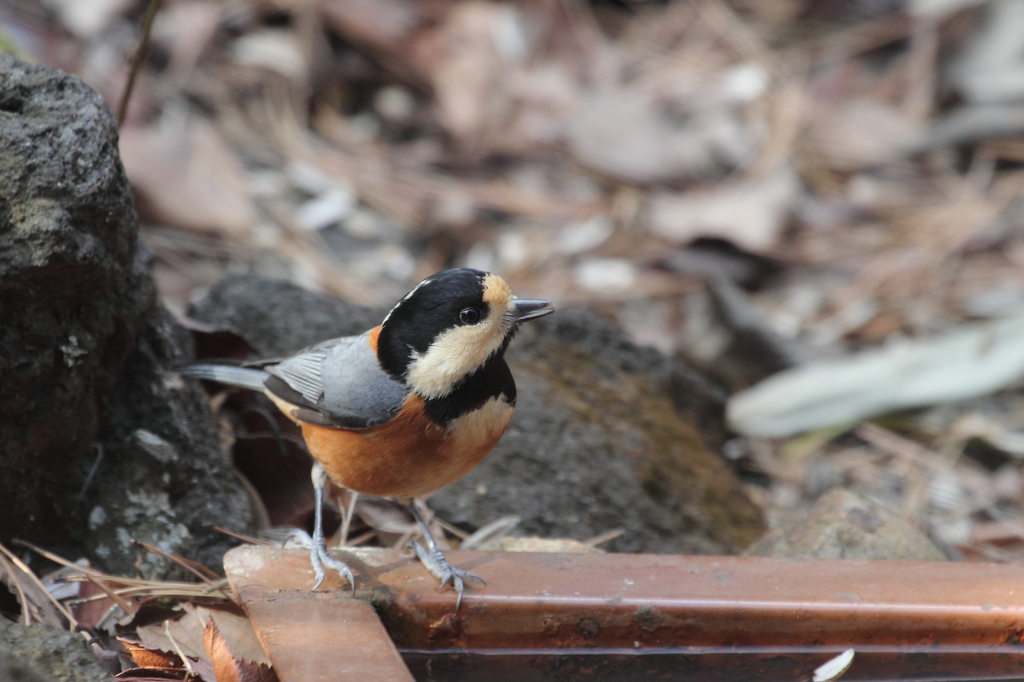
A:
278	318
605	434
42	652
601	439
85	348
16	671
843	525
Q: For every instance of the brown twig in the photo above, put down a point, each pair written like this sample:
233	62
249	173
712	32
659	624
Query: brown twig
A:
114	597
604	537
25	612
140	54
39	583
196	569
134	586
248	539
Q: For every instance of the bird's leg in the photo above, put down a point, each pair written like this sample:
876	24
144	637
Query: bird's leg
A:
434	560
346	516
318	555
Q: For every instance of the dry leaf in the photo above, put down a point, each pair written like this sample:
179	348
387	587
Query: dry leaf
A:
488	92
274	50
834	668
636	135
970	361
154	674
187	176
235	629
385	516
382	25
146	657
32	598
749	214
92	613
185	29
471	72
860	134
186	634
87	18
229	667
535	544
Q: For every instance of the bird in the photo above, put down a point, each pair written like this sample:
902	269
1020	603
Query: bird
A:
405	408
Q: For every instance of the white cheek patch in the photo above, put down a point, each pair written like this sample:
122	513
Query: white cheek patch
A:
460	351
453	355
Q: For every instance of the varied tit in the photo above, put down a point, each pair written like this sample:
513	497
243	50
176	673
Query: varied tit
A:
405	408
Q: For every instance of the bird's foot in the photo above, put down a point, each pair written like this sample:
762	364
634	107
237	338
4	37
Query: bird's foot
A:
320	557
444	571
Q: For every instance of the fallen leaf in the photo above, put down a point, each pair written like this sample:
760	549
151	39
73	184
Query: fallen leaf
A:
87	18
970	361
750	214
534	544
32	598
860	134
92	613
146	657
638	135
385	516
184	636
187	633
186	175
488	92
235	631
378	24
834	668
274	50
470	74
184	29
605	275
153	674
227	665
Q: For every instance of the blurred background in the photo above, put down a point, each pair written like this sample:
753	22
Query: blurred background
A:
828	191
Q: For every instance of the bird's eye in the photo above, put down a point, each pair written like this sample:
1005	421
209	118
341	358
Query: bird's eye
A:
469	316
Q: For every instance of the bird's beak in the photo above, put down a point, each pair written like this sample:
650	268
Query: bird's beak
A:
525	309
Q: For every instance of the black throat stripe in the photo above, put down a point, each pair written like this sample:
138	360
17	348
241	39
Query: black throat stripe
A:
492	380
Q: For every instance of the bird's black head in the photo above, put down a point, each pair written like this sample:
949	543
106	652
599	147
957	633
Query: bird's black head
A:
448	327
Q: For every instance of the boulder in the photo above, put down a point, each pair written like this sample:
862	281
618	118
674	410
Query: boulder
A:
844	525
100	443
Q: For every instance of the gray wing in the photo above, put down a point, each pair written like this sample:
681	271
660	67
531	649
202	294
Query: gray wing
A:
338	383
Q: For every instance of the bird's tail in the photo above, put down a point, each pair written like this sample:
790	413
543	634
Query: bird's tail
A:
244	377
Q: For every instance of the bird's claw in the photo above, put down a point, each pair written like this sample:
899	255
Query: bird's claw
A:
444	571
320	557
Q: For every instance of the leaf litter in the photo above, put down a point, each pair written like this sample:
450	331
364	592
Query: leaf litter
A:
149	629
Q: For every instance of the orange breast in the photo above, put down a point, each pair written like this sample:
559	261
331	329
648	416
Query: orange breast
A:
408	456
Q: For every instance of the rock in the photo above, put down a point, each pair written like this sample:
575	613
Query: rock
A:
605	434
86	396
597	444
843	525
44	652
278	318
16	671
166	476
